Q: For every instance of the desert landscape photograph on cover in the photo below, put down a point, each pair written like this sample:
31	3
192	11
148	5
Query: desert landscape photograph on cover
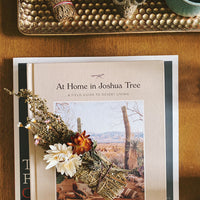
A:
118	129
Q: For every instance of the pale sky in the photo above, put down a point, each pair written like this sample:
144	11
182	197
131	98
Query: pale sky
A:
100	116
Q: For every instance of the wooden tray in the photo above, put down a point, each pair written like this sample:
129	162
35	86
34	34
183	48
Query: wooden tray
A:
35	17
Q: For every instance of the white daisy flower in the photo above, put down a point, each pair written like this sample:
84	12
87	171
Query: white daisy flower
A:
28	126
48	127
36	137
61	156
33	120
19	125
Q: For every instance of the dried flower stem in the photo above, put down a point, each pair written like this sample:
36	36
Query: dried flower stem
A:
48	126
97	172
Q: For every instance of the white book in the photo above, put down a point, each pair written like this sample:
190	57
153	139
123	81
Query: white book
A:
96	90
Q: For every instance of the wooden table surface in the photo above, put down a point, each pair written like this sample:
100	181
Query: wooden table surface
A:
186	45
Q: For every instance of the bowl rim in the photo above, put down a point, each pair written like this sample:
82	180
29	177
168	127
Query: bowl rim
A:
192	3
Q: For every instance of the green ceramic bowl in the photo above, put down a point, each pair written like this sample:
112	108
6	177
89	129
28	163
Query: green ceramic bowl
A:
187	8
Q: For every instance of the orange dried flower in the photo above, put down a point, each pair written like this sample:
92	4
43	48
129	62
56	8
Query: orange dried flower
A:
81	143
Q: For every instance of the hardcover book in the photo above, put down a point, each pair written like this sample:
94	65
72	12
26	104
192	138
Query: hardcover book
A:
128	105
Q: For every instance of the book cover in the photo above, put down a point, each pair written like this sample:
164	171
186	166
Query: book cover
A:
122	105
23	138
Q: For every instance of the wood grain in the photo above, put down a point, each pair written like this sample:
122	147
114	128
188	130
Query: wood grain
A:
186	45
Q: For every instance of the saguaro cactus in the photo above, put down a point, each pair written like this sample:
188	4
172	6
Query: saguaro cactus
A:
128	136
79	125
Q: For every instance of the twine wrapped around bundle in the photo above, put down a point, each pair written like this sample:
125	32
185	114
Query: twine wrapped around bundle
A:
88	166
63	10
128	7
47	126
102	176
